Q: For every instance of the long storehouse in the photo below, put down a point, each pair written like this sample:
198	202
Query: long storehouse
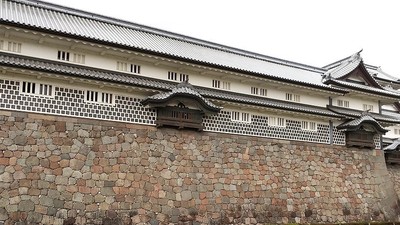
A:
69	65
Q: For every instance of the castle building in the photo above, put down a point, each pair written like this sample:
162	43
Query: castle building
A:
61	62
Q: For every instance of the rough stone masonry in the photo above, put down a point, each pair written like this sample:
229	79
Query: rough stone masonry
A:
61	170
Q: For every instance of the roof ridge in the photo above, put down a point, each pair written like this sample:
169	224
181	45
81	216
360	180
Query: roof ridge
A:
168	34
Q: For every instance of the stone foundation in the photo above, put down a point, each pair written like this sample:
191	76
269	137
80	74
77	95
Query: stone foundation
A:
61	170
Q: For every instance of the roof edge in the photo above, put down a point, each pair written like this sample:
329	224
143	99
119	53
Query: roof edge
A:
177	36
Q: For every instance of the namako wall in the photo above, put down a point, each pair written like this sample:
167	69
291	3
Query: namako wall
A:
64	170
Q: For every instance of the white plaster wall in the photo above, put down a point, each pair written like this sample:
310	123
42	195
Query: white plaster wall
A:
391	133
108	62
357	103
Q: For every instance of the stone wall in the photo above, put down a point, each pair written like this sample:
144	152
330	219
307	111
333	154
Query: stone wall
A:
61	170
394	172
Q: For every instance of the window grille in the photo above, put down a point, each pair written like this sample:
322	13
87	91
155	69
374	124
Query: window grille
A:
226	85
122	66
36	88
14	46
183	77
172	75
254	90
99	97
307	125
78	58
240	116
343	103
263	92
276	121
216	83
63	55
292	97
69	101
368	107
135	68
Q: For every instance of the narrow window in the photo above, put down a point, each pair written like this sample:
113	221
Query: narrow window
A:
183	77
216	83
14	46
226	85
99	97
307	125
254	90
276	121
368	107
289	97
343	103
296	98
135	68
263	92
78	58
36	89
235	116
240	116
172	75
122	66
63	55
281	122
292	97
245	117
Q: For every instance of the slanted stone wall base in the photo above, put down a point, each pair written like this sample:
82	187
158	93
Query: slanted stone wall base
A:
62	170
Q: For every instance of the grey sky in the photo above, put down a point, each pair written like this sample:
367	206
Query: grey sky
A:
312	32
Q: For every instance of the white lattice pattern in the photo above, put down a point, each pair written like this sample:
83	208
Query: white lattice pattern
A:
259	127
71	102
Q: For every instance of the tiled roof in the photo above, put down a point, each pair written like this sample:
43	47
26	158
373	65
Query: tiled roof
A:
80	71
351	113
351	85
344	67
79	24
394	146
337	71
42	65
265	102
182	89
356	123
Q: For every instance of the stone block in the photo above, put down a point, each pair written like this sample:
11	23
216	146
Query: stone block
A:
26	206
60	126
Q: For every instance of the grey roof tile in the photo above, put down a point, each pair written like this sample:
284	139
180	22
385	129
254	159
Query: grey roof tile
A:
185	89
351	113
392	147
386	91
265	102
64	20
354	124
344	67
7	59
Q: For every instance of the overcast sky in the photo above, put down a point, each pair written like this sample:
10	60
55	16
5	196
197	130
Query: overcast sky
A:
313	32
